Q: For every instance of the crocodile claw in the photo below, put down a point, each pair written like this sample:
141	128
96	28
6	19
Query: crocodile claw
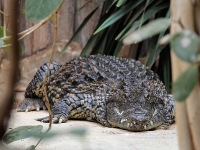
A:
29	104
55	119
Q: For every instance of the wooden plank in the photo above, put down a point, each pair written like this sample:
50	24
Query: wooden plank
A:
66	16
80	16
187	112
69	21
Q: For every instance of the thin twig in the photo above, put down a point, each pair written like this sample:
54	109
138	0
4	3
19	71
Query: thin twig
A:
4	18
45	79
29	30
7	45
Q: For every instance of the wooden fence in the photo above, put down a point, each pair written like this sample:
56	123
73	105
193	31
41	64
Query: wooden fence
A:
69	20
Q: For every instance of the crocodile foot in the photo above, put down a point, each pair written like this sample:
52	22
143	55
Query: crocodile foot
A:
55	119
29	104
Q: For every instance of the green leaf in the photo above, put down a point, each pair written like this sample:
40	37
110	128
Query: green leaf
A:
32	147
119	14
8	41
21	133
120	3
155	49
147	31
78	30
37	10
148	14
86	50
118	48
1	43
142	18
24	12
185	83
111	5
186	45
77	132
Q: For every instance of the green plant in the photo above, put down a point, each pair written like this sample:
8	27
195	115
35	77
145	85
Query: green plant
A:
117	20
185	44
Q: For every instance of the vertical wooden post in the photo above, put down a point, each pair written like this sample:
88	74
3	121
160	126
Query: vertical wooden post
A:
187	112
7	96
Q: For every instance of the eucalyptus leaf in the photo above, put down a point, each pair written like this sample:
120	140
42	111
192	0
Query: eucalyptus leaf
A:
147	31
185	83
24	12
37	10
186	45
21	132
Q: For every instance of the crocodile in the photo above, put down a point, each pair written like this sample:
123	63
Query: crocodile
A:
116	92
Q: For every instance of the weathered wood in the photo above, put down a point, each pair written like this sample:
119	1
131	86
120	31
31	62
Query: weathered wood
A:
187	112
69	21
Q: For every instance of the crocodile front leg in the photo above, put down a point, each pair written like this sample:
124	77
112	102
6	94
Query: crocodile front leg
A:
60	112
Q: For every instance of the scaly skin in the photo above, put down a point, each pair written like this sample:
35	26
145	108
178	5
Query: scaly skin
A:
116	92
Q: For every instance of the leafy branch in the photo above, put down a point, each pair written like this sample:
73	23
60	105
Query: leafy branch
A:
185	44
32	16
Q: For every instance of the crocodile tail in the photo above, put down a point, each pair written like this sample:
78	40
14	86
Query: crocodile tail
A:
34	88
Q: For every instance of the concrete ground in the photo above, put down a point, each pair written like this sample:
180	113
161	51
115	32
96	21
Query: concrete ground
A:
97	136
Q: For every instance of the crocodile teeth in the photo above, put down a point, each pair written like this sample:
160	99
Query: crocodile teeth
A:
60	120
37	108
128	125
151	122
123	120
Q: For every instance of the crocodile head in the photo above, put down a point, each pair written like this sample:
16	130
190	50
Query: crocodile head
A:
138	112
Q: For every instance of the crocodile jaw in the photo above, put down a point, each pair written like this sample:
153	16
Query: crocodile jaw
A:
135	122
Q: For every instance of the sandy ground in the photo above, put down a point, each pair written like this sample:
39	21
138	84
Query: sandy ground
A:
97	137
